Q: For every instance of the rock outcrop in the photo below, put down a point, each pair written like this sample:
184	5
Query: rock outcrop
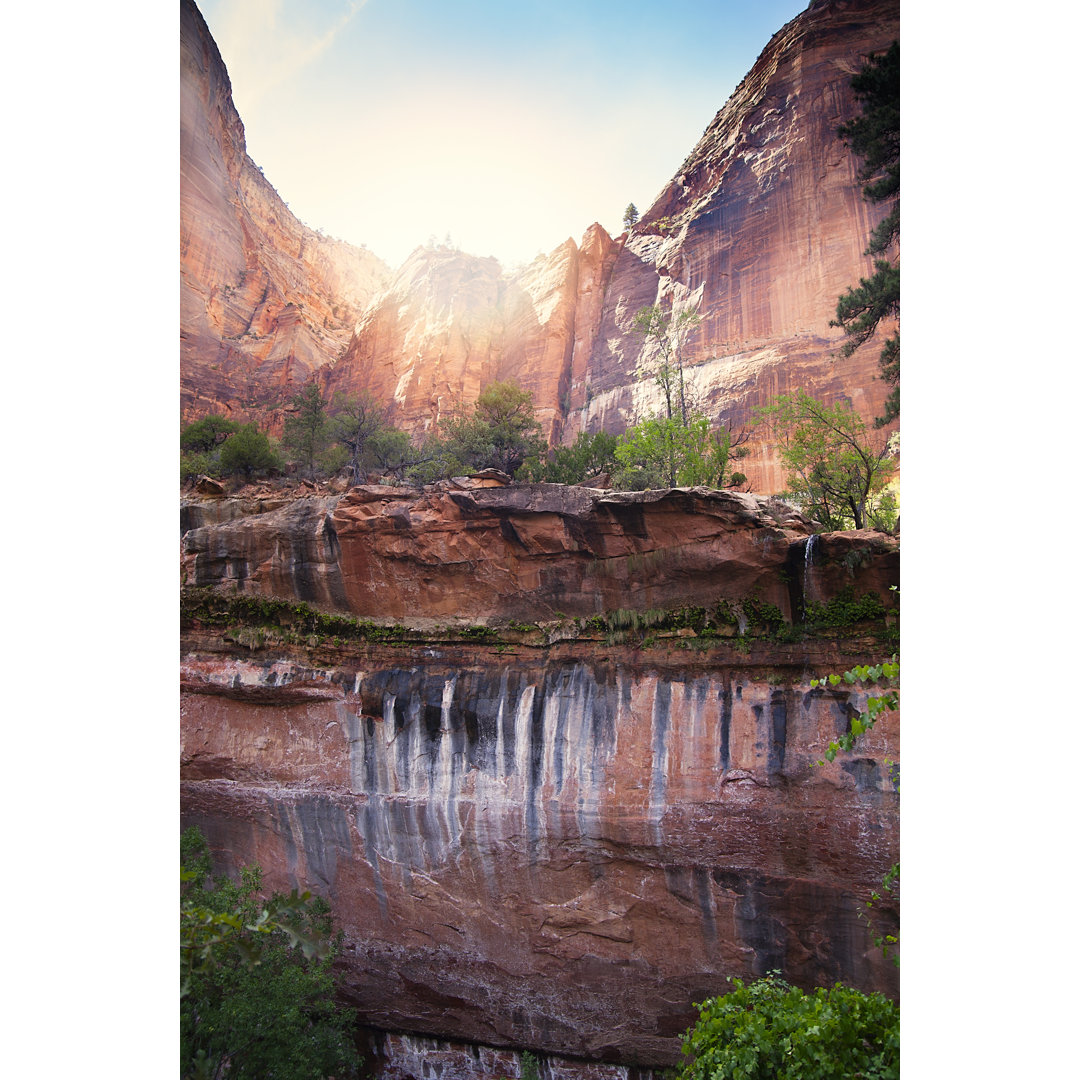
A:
264	300
526	552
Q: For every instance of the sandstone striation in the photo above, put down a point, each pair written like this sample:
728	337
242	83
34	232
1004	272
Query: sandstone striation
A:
761	229
560	850
264	300
462	550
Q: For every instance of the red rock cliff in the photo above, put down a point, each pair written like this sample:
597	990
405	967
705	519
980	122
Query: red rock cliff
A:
545	839
264	300
762	228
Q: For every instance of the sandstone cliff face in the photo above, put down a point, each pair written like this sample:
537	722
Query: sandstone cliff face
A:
550	840
451	323
264	301
527	552
762	229
562	851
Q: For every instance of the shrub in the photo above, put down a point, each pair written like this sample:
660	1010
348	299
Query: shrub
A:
253	1004
196	463
248	451
771	1030
206	433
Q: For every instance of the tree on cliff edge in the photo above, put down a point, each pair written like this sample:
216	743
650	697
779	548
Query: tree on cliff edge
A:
306	434
875	137
501	432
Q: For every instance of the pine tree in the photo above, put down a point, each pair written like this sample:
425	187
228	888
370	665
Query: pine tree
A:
875	137
630	217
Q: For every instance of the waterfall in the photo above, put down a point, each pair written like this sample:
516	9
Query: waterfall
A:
808	563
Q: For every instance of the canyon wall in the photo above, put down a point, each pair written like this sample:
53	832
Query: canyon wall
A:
461	549
264	300
548	833
761	229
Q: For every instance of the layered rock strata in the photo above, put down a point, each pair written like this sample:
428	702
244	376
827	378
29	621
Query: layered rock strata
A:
561	851
546	838
528	551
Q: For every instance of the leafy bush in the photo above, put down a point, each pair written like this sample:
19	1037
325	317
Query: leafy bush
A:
249	451
500	433
771	1030
197	463
206	433
590	454
252	1005
667	453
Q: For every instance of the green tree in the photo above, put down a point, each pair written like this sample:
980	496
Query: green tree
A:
875	137
248	451
770	1030
664	452
257	990
668	331
590	454
358	419
630	217
306	432
500	433
207	433
836	470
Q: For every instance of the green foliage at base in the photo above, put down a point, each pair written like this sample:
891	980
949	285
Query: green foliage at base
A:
770	1030
501	431
668	452
252	1005
590	454
249	451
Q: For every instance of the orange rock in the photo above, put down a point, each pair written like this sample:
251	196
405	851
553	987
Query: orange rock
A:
264	300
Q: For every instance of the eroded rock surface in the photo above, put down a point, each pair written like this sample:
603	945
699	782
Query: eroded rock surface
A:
562	841
527	551
562	851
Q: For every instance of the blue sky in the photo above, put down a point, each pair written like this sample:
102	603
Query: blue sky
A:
508	126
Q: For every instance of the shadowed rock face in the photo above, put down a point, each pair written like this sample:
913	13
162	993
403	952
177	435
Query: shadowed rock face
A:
563	853
560	846
762	228
528	551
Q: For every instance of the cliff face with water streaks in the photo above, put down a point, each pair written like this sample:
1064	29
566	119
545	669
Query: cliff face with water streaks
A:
539	836
461	550
561	851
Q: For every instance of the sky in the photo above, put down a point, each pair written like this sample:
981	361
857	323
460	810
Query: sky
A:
507	126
